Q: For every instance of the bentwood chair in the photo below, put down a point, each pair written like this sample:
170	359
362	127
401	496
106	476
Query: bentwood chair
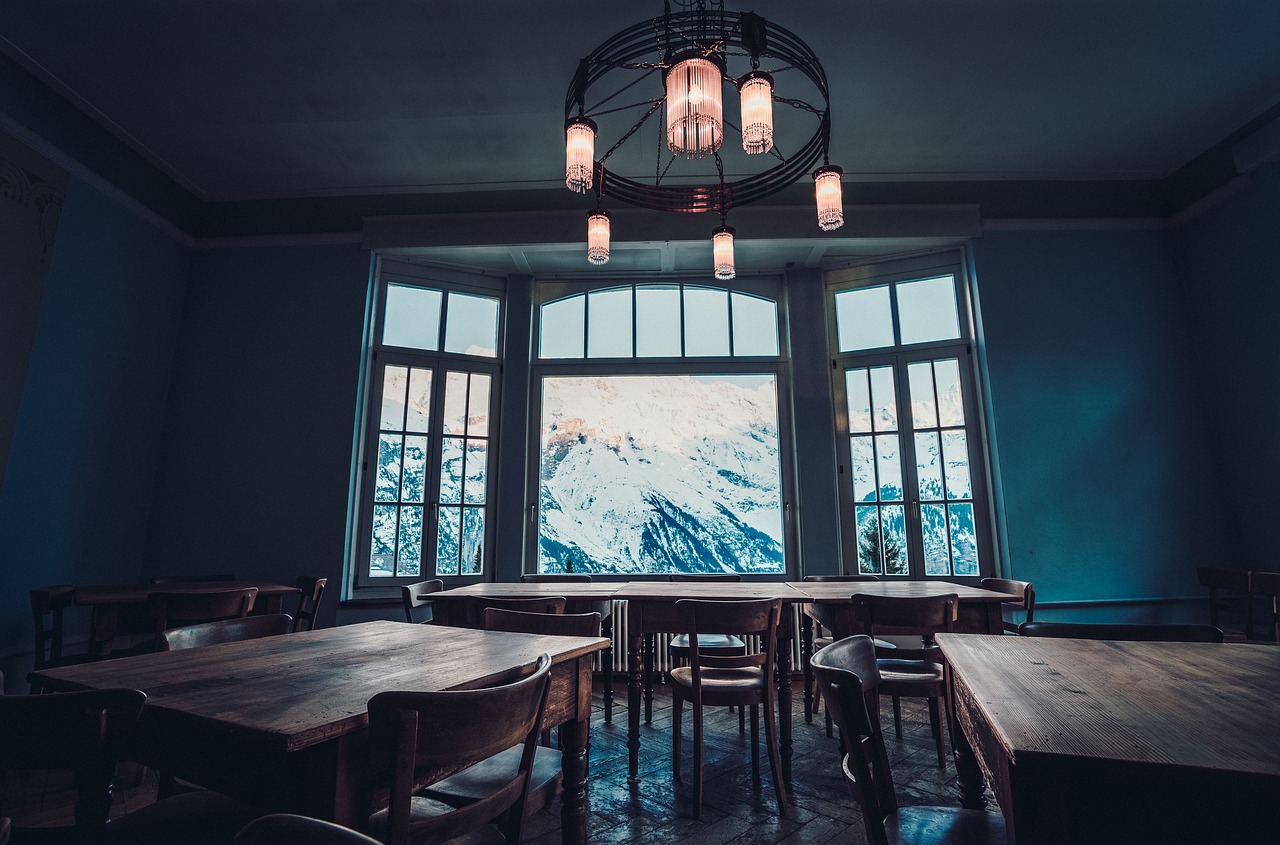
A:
310	590
412	734
1264	588
849	677
821	638
723	645
285	829
1107	631
477	605
1228	599
744	680
226	631
47	607
1022	588
418	610
908	669
174	610
604	608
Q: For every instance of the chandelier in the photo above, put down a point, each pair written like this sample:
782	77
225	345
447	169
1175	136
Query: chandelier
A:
679	65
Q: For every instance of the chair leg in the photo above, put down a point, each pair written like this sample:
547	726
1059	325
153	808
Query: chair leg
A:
697	760
829	725
606	661
755	741
677	716
897	716
648	649
935	723
775	755
742	720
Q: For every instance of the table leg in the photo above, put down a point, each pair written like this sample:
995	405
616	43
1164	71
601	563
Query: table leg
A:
102	629
973	795
784	699
635	684
574	739
606	666
650	646
806	654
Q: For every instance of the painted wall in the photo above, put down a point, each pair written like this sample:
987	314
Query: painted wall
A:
1107	487
76	494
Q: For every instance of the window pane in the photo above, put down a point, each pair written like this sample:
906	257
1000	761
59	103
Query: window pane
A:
472	541
477	466
382	553
412	318
893	531
447	534
956	452
410	560
451	470
864	469
933	520
419	407
660	474
388	483
609	323
706	322
924	409
884	399
927	310
928	467
472	327
414	484
393	387
657	321
950	396
889	468
964	542
870	560
863	319
882	545
755	325
455	403
478	405
560	328
859	399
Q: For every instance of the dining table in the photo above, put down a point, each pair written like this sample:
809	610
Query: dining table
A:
282	721
1105	742
122	608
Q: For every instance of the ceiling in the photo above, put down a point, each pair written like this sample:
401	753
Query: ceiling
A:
269	108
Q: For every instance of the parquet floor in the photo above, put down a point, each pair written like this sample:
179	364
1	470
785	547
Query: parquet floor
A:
736	808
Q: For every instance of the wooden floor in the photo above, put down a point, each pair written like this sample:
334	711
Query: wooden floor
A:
736	809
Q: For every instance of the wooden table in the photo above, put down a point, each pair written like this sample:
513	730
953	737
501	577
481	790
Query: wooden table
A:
115	604
282	721
1101	742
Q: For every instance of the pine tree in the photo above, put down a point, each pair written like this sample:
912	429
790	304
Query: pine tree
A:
880	551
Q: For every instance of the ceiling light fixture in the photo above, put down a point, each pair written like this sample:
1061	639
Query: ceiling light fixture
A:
692	52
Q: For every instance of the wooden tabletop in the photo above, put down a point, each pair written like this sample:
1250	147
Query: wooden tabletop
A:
788	591
840	591
137	593
572	590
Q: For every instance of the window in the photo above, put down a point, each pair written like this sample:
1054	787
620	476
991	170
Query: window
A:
425	480
659	432
913	492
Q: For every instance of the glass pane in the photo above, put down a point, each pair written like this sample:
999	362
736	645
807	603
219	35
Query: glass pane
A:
927	310
455	403
657	474
414	484
706	322
477	466
451	470
412	318
950	396
657	321
410	562
889	468
609	323
863	319
472	541
870	559
928	467
859	398
447	540
893	533
478	406
924	409
933	522
884	399
864	469
472	327
964	542
956	453
388	483
560	328
393	386
755	325
419	407
382	551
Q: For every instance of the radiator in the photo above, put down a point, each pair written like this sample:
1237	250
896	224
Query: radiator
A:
662	657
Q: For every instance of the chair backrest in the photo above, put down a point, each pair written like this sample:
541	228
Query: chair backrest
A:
477	605
556	624
1228	589
47	604
842	577
746	617
1022	588
711	577
556	577
1264	587
410	599
225	631
174	610
922	616
1130	632
191	579
412	733
849	677
286	829
81	732
311	589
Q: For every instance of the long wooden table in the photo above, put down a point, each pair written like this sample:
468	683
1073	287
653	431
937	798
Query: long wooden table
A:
116	604
1121	742
282	721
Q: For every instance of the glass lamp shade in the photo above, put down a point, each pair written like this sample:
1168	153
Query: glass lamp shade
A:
722	253
827	192
579	153
756	91
695	108
598	237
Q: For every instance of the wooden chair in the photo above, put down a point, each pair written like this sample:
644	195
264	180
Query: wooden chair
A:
1228	599
722	645
173	610
1022	588
744	680
849	677
414	604
191	579
545	776
81	732
47	606
821	638
285	829
1108	631
477	605
605	609
907	669
311	589
226	631
414	733
1264	586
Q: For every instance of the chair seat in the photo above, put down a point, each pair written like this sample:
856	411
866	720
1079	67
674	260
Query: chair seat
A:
944	826
913	671
725	645
423	816
487	776
718	680
192	818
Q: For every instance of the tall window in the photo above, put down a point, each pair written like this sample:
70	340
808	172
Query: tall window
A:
425	488
913	492
659	432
